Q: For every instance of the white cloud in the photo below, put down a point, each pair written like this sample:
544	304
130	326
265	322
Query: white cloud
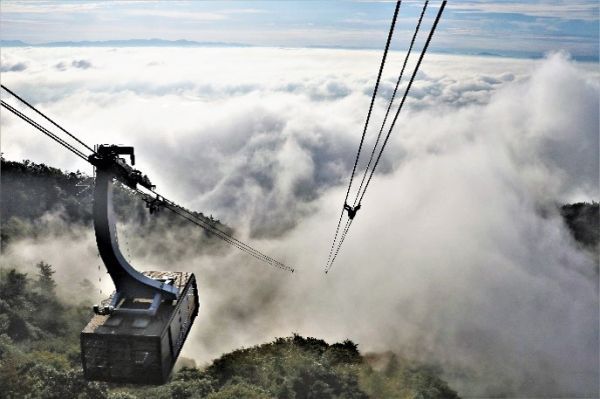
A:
181	15
572	10
45	7
450	260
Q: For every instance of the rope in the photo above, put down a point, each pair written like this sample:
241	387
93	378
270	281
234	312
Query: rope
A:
218	232
169	204
362	139
48	119
412	78
342	238
387	112
406	91
44	130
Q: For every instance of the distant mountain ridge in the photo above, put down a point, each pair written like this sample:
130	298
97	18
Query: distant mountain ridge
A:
123	43
192	43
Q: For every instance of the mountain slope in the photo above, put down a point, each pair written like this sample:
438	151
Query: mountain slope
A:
39	358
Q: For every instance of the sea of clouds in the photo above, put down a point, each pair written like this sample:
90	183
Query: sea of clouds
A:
458	256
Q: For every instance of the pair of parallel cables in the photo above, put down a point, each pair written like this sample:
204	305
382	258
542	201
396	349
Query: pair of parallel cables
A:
339	237
172	206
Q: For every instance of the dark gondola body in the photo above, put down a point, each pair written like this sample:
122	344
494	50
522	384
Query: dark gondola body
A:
130	348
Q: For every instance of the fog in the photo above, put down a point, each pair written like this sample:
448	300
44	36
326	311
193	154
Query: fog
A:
457	257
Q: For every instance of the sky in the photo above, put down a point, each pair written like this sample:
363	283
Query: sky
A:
514	28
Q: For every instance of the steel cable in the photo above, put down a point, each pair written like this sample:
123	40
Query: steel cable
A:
406	91
173	207
362	139
341	241
47	118
387	112
412	78
44	130
168	204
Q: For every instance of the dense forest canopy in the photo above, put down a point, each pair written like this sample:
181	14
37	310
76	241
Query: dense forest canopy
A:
40	358
31	190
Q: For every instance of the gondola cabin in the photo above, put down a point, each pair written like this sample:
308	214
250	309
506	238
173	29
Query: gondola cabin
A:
131	348
137	333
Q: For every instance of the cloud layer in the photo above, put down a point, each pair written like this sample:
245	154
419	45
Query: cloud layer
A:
456	256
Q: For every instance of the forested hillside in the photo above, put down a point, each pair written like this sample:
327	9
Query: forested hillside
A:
40	358
30	190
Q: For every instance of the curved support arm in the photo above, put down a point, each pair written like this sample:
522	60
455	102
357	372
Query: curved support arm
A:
129	282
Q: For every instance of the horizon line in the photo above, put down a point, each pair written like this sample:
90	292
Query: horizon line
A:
182	43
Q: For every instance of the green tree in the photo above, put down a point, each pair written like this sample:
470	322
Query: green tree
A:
45	281
12	286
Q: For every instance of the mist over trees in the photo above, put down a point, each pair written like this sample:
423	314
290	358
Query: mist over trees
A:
39	331
31	190
39	358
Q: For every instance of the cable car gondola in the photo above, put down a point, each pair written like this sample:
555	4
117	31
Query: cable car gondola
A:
137	333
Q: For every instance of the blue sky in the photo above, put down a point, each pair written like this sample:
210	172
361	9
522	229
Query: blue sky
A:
522	28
